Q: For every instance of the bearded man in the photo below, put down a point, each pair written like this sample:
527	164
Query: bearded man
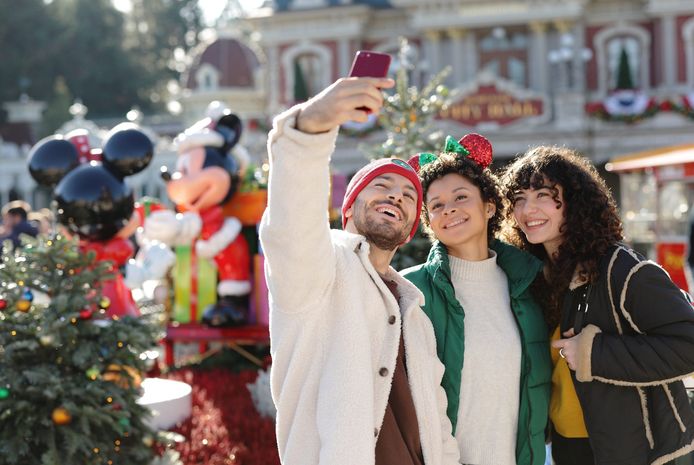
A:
355	376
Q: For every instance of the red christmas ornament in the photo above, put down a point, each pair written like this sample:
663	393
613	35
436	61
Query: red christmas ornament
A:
3	304
479	147
86	314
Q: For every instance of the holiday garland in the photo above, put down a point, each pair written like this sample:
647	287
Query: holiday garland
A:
685	106
625	106
602	110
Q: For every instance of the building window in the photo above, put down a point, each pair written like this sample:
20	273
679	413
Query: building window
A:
505	54
623	63
207	78
307	76
688	39
626	47
307	70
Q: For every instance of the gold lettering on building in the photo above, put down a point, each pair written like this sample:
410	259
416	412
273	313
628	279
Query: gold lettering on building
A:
492	107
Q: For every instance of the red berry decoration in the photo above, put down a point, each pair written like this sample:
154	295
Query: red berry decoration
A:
479	147
86	314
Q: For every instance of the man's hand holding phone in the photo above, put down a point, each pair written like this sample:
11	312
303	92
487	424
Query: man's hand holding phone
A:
348	99
370	64
340	102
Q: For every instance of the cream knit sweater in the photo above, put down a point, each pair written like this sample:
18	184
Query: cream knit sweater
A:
490	384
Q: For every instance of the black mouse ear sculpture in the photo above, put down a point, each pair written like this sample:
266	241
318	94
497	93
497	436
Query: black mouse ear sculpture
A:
127	150
93	202
92	198
51	159
230	127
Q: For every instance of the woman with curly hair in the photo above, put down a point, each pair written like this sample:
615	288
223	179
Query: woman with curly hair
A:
490	333
623	333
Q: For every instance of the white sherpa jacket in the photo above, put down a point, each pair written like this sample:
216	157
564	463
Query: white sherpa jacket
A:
334	325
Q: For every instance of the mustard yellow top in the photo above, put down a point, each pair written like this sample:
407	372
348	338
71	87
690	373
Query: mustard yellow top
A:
564	409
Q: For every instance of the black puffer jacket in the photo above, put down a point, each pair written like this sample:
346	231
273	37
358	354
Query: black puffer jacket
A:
635	347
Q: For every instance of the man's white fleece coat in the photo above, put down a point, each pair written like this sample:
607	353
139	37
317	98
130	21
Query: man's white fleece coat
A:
333	345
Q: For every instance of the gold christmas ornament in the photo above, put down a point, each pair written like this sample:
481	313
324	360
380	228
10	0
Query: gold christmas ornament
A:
23	305
114	374
61	416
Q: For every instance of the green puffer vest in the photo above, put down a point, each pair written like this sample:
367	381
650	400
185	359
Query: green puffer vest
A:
433	278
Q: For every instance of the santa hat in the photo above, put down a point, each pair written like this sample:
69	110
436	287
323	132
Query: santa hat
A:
374	169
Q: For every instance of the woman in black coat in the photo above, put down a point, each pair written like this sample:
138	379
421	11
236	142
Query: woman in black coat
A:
624	333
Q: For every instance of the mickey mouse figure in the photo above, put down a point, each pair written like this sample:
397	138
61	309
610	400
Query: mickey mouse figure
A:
207	175
93	200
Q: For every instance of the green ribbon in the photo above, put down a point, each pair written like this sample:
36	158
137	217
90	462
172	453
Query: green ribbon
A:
453	146
450	146
426	158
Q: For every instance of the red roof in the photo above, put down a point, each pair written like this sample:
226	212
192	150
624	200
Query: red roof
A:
235	62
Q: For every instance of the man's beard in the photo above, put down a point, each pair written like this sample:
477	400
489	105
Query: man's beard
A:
382	234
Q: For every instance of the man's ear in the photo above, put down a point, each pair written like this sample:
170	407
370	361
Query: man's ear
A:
349	212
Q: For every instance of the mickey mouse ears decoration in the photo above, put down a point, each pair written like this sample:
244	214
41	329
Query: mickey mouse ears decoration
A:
127	150
420	160
51	159
230	127
473	146
479	148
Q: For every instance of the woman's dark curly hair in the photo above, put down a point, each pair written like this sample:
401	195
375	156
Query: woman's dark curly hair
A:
484	179
591	225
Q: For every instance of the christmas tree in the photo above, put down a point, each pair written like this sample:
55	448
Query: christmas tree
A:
624	80
408	119
408	114
69	374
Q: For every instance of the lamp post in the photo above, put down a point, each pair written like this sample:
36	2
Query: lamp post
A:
564	59
568	89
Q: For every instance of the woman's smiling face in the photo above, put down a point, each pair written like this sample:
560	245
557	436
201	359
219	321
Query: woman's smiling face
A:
539	213
457	213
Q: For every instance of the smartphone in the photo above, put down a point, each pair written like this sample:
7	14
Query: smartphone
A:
370	64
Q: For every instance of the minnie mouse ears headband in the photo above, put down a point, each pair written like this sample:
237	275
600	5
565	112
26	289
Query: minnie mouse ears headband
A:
473	146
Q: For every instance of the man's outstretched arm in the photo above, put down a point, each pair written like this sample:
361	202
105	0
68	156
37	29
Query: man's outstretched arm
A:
294	231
